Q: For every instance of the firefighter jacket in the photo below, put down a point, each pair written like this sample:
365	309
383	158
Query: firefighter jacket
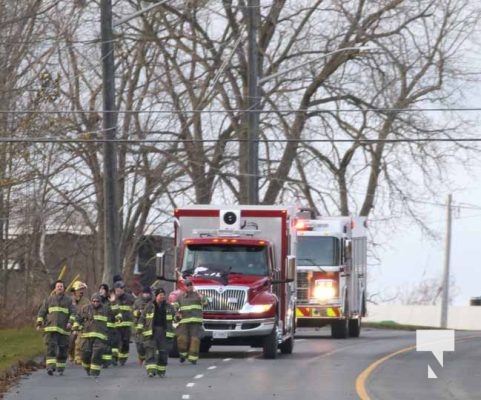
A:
148	318
79	304
123	310
189	305
139	306
55	313
94	321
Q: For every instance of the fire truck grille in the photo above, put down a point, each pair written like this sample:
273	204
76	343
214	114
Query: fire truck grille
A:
302	287
227	300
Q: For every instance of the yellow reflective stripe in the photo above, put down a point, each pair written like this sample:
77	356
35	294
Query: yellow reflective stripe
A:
97	335
125	308
191	307
58	309
95	367
150	315
190	320
147	333
40	319
151	366
170	317
114	307
331	312
110	324
170	334
140	326
100	317
56	329
124	323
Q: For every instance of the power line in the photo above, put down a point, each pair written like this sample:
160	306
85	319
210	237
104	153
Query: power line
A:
153	141
239	110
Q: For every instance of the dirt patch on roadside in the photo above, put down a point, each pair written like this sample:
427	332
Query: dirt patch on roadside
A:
14	373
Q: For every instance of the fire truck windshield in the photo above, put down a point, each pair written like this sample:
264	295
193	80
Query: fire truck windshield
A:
317	251
240	259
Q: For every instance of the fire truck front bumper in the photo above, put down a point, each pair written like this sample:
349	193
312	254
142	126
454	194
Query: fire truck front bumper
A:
237	328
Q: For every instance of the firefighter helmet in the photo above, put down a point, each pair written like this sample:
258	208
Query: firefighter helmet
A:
78	285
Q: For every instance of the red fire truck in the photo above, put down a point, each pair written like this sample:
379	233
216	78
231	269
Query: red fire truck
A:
242	259
331	273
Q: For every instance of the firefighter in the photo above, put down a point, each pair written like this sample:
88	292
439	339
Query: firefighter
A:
105	298
56	316
155	325
189	315
93	319
122	307
79	300
139	305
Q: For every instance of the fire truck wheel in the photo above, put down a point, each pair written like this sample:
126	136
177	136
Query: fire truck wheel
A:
287	346
354	327
269	344
340	329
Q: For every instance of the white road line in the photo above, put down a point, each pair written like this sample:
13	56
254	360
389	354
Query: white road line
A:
185	396
198	376
227	359
212	367
190	384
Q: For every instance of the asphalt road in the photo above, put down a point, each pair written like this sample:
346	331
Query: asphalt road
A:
380	365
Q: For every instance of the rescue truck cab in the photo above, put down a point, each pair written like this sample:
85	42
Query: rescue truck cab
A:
242	260
331	273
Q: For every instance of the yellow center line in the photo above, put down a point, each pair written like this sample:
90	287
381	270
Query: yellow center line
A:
364	375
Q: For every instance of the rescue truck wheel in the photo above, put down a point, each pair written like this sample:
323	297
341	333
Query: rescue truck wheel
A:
340	328
354	327
269	344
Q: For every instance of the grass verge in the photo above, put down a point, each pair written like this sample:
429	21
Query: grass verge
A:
17	348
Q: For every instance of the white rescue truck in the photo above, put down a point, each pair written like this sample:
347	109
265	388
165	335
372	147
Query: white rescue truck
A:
331	273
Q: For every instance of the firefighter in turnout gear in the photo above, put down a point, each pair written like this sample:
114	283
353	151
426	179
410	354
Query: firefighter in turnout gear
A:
56	316
105	295
94	318
79	300
189	331
122	308
155	324
139	305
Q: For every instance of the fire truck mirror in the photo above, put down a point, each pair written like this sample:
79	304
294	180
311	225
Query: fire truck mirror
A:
160	264
291	268
348	250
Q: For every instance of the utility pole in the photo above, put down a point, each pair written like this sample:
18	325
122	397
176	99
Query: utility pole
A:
111	211
253	16
447	254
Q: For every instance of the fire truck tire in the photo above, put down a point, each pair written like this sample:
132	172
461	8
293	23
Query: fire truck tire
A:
340	329
287	346
354	327
205	346
269	344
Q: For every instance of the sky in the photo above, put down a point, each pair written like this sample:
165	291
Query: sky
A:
411	256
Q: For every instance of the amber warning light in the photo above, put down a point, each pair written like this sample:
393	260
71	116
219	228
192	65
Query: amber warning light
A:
303	226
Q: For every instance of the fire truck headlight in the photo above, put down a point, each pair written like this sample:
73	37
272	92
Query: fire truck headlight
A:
256	308
323	293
